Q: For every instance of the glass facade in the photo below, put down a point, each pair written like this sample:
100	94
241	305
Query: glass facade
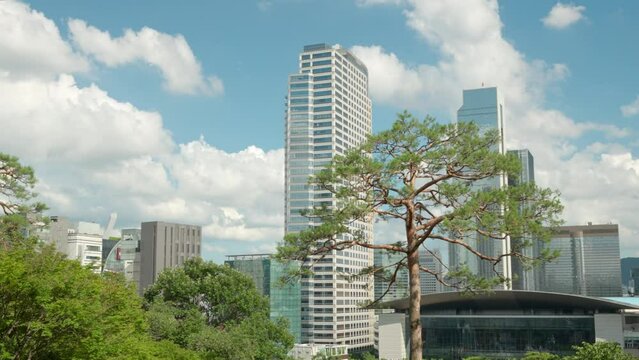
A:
484	107
455	337
284	298
589	261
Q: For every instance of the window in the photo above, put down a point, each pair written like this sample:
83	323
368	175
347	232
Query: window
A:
322	124
322	93
299	108
322	140
93	248
322	101
299	101
321	117
322	132
322	147
306	57
321	86
299	85
322	156
323	108
322	77
322	62
320	55
306	64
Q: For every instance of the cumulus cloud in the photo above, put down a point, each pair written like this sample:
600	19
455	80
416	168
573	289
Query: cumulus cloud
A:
94	154
32	46
631	109
563	15
171	54
473	51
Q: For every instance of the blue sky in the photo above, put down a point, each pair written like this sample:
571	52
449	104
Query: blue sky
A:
565	80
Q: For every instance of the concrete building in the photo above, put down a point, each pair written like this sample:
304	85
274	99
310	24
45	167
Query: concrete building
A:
485	107
505	324
166	245
432	261
284	299
523	278
589	261
328	111
387	260
57	232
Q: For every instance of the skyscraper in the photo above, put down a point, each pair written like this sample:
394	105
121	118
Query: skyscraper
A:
328	111
589	261
430	260
524	279
399	289
484	107
165	245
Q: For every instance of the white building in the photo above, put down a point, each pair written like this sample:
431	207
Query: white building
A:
313	351
84	243
328	112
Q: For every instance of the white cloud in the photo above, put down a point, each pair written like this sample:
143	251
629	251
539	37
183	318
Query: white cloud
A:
171	54
631	109
472	50
94	154
563	15
31	45
364	3
60	121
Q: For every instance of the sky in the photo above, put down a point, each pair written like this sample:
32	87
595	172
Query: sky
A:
176	113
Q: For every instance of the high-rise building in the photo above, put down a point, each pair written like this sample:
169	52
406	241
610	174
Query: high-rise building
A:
588	263
284	298
388	261
432	261
524	278
328	112
166	245
484	107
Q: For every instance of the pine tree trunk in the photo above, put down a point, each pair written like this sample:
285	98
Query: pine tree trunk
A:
414	306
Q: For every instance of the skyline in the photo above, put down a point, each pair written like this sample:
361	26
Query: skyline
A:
213	118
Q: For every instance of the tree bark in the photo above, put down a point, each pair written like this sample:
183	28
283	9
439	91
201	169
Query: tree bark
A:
414	306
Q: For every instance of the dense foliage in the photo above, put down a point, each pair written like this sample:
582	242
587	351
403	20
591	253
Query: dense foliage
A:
217	311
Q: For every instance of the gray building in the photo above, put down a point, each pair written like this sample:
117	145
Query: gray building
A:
432	261
166	245
524	278
387	261
588	264
484	107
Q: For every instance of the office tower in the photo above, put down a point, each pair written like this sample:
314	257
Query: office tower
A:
166	245
328	112
387	261
588	263
284	298
484	106
524	279
430	260
124	257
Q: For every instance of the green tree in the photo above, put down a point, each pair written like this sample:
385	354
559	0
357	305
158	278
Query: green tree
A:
217	311
18	212
424	175
601	350
53	308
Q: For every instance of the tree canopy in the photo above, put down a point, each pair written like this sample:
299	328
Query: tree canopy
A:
434	179
217	311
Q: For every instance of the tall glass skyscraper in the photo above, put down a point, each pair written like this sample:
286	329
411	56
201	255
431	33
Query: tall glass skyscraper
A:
328	112
523	278
484	106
